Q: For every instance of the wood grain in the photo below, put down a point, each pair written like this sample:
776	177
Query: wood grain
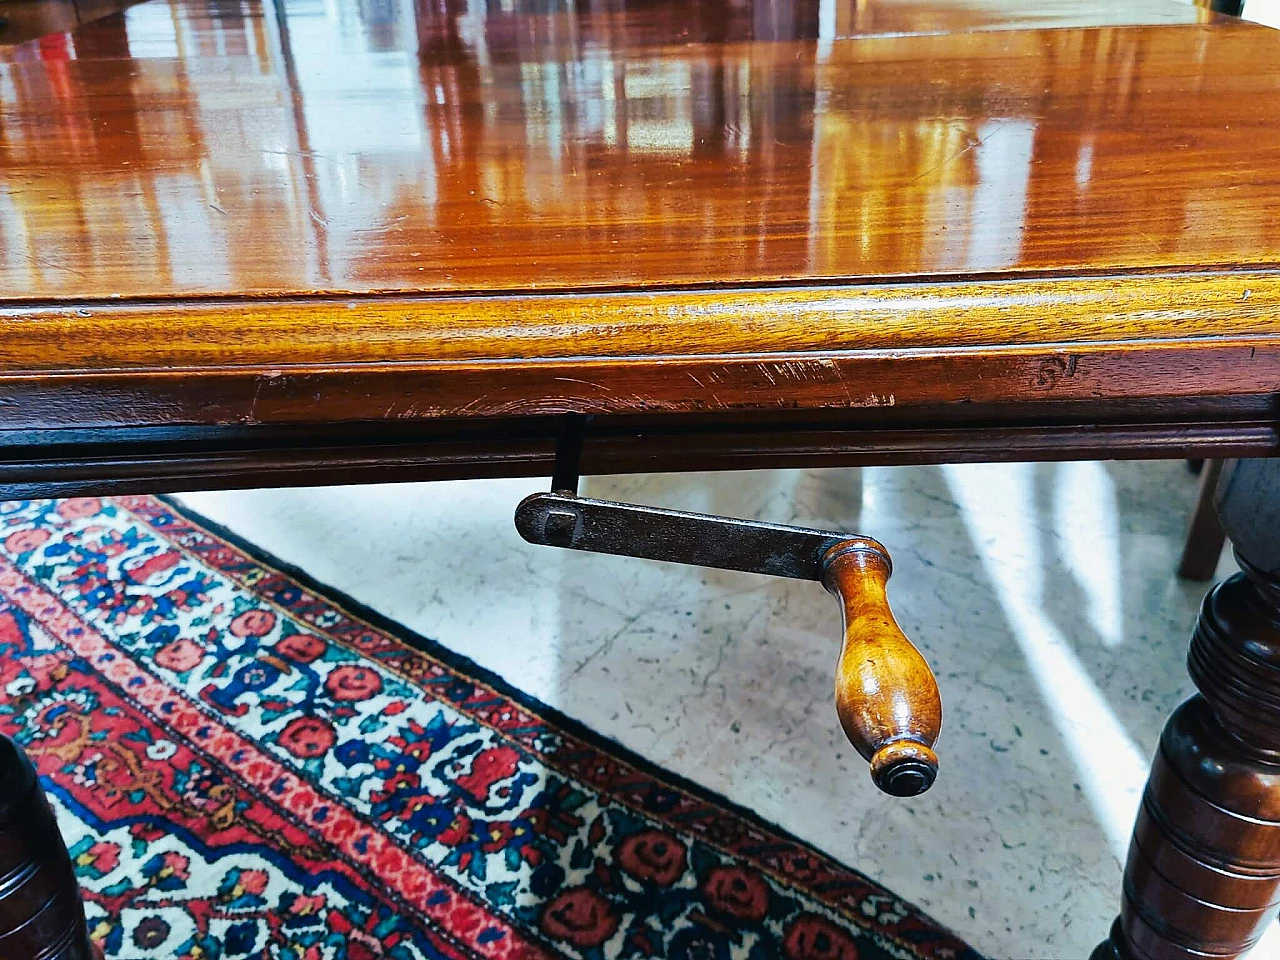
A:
886	695
220	214
648	152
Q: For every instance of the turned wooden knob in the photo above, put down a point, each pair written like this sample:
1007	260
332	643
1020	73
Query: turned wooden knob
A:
886	695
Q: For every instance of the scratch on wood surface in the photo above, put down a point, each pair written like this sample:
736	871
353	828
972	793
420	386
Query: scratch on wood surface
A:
252	416
585	383
835	368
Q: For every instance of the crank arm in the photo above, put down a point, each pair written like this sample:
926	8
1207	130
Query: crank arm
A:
701	539
886	695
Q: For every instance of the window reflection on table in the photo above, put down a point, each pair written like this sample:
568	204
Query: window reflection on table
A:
416	144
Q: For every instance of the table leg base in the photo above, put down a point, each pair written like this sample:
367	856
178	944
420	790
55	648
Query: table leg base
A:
41	915
1202	881
1113	947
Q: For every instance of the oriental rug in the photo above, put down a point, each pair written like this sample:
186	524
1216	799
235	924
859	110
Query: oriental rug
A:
246	765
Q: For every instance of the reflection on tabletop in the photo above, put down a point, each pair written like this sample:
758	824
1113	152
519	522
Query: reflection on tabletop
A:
401	145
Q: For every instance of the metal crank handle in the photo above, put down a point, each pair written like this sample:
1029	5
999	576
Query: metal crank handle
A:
886	695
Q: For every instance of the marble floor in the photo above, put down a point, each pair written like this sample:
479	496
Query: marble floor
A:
1042	594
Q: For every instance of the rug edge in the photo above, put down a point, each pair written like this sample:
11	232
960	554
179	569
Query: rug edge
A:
577	728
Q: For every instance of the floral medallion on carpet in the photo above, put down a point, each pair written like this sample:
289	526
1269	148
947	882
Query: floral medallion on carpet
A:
245	766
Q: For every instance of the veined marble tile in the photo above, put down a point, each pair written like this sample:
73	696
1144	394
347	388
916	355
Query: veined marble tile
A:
1043	595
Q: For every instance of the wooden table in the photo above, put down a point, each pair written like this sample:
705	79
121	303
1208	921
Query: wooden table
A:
245	245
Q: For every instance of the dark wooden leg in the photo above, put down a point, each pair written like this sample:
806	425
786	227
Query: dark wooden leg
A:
1203	874
1205	537
41	916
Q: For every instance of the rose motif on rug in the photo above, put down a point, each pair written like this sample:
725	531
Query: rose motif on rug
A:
246	766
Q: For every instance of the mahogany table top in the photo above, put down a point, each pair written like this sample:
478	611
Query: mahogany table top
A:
217	212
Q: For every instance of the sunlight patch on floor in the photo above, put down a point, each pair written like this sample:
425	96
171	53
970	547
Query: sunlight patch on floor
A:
999	509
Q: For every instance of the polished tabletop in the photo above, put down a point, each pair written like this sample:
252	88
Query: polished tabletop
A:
208	147
195	183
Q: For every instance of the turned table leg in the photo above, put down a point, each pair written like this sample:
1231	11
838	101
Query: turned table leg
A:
41	916
1203	873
